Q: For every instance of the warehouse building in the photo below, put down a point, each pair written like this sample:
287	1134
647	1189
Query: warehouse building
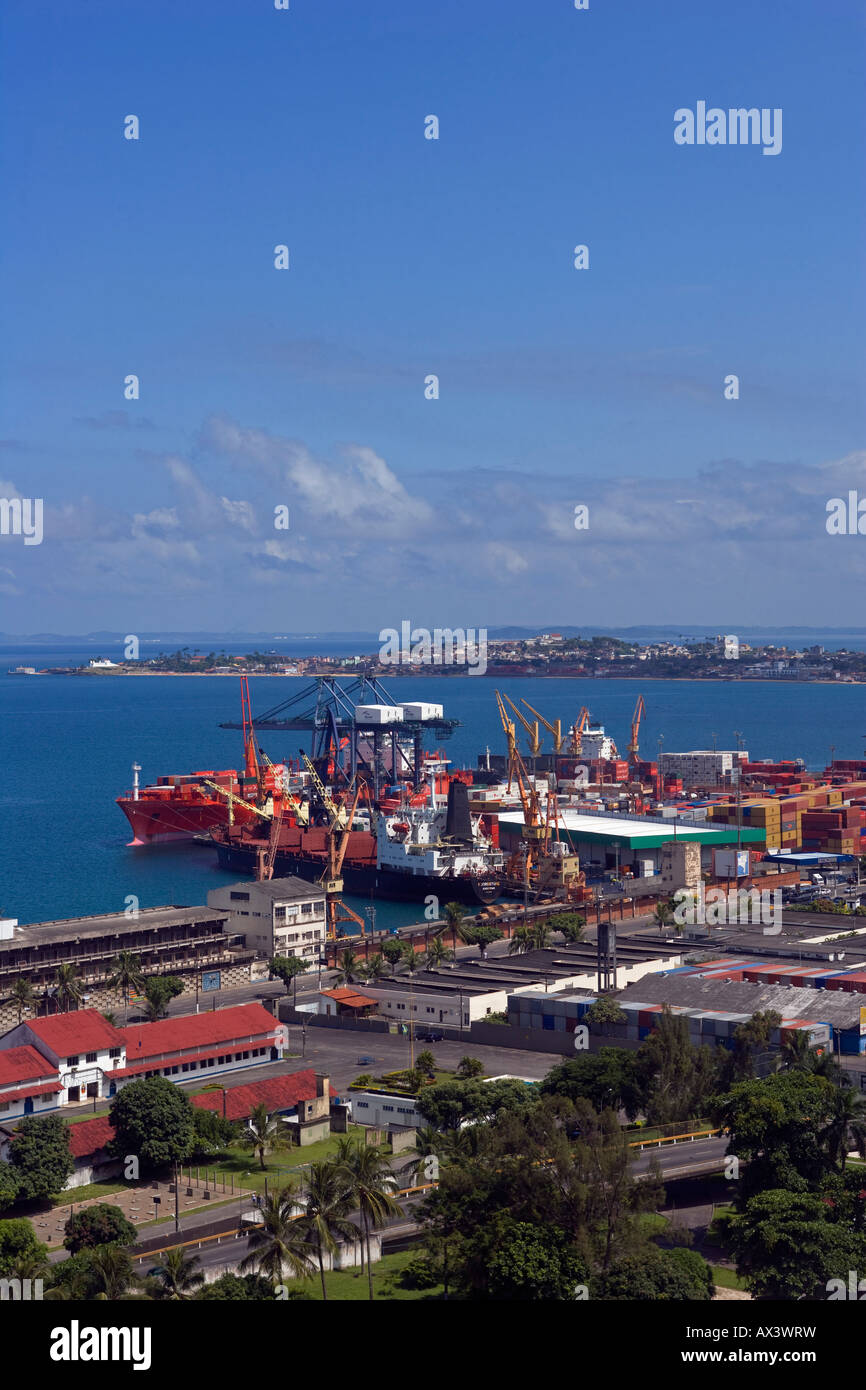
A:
191	943
606	841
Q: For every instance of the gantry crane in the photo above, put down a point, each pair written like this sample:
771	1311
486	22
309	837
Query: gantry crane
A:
555	728
337	813
633	751
577	732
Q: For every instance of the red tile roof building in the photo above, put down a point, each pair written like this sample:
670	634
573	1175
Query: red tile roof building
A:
68	1058
278	1093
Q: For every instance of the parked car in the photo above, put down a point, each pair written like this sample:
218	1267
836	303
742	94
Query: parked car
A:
428	1035
365	1061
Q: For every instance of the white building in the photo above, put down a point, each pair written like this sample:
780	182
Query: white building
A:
278	917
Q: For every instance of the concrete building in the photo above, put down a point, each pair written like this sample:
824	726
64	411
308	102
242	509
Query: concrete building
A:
681	865
278	917
191	943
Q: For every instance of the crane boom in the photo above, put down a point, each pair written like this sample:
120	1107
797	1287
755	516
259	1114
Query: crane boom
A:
232	797
533	739
577	731
639	712
555	728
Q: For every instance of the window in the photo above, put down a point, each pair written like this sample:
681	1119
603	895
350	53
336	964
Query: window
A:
72	1061
114	1052
363	1105
244	1056
239	897
91	1057
306	908
185	1066
387	1107
4	1105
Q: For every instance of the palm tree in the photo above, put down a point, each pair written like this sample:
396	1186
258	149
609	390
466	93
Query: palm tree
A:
179	1274
376	967
411	959
796	1051
522	940
453	914
70	990
662	916
111	1271
847	1129
540	935
126	975
348	966
279	1244
264	1133
437	952
326	1214
371	1183
23	996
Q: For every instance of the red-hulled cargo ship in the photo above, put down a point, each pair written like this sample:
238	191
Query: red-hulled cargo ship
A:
183	807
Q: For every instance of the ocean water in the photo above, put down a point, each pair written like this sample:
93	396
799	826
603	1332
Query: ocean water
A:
67	744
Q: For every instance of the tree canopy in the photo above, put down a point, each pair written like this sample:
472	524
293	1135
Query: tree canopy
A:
153	1122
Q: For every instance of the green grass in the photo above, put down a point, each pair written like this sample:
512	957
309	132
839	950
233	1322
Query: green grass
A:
727	1279
89	1115
350	1285
91	1189
243	1165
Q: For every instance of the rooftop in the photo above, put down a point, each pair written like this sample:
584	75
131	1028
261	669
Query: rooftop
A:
107	924
275	888
636	832
21	1064
275	1092
83	1030
692	991
244	1021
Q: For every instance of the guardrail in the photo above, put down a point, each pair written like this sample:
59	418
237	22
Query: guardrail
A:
675	1138
241	1232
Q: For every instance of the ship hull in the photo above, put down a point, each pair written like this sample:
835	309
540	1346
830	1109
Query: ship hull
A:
367	880
163	821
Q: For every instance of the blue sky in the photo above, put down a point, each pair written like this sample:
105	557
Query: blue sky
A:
411	257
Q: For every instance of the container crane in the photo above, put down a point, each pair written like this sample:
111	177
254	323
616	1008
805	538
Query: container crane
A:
555	728
337	813
633	751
